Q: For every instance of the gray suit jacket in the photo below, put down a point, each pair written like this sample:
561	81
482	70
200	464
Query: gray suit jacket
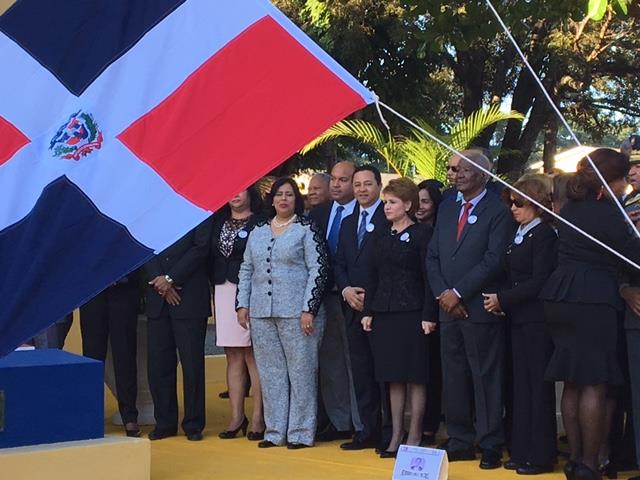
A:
281	277
473	264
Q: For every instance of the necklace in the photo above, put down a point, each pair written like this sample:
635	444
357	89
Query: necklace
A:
281	225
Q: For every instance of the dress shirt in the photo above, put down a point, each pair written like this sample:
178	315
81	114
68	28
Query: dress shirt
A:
474	201
524	229
370	211
348	210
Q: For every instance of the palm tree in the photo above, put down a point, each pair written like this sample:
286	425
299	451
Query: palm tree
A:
416	155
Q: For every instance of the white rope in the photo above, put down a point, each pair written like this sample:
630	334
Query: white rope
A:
382	119
511	187
559	114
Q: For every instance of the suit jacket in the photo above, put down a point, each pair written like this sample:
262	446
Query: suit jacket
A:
320	216
527	267
186	263
283	276
398	282
226	268
586	273
353	265
471	265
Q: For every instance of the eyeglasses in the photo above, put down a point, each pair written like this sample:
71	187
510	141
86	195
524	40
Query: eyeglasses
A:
517	203
452	168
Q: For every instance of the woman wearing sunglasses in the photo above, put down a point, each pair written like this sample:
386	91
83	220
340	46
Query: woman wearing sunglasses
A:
528	263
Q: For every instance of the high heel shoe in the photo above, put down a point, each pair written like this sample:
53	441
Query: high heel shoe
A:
255	436
228	434
570	469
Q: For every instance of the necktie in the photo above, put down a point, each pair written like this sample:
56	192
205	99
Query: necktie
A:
463	219
334	231
362	229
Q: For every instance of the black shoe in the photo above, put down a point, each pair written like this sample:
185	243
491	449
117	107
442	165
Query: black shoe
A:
135	433
159	434
490	459
511	465
388	454
359	443
227	434
461	455
297	446
428	439
582	472
266	444
195	436
255	436
570	469
330	433
224	394
530	469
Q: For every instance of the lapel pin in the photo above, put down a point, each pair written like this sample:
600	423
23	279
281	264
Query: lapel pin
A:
371	227
518	240
242	234
404	237
472	219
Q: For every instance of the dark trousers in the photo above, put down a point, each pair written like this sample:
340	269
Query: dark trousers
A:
633	351
112	316
367	390
187	335
472	375
533	437
433	412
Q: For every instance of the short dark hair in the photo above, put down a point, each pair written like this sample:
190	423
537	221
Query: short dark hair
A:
433	186
536	188
585	183
299	205
256	204
372	169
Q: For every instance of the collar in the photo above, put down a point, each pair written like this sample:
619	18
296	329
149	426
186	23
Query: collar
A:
475	200
459	197
348	208
371	210
523	230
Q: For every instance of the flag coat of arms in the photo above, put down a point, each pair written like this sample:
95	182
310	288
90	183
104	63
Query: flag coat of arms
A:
126	123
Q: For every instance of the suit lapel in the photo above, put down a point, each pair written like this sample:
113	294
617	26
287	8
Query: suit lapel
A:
476	211
377	219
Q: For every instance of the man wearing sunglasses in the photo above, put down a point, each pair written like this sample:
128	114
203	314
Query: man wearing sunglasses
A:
463	261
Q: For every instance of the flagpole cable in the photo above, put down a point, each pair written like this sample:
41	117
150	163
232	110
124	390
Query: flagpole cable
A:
511	187
559	114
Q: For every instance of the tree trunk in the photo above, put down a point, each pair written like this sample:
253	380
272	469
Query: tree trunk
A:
550	143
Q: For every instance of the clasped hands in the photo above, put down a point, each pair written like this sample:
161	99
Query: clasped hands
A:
452	304
306	320
166	290
427	327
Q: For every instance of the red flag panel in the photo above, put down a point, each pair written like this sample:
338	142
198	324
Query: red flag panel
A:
11	140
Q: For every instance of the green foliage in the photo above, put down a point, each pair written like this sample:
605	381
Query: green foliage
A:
416	155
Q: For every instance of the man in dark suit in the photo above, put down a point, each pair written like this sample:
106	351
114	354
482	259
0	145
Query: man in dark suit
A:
463	261
353	266
178	305
336	384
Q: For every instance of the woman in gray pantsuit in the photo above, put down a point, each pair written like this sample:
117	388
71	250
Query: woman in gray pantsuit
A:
281	282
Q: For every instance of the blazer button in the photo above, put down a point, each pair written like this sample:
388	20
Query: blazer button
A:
269	282
268	259
269	293
268	248
273	239
268	270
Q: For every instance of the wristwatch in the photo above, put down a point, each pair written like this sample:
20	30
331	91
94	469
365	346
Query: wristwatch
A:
168	279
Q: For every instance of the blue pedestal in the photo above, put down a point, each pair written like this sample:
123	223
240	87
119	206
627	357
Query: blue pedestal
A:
50	396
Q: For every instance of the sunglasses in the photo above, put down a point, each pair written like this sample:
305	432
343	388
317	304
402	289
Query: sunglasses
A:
517	203
452	169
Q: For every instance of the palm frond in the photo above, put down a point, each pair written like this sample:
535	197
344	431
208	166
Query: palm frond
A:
359	130
464	132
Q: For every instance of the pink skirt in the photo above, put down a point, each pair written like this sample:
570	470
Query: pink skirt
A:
229	333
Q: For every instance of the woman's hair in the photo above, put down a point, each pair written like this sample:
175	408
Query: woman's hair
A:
537	188
559	190
585	182
299	205
256	204
405	190
433	186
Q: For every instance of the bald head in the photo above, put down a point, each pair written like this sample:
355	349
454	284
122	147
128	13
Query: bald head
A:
318	191
341	187
470	180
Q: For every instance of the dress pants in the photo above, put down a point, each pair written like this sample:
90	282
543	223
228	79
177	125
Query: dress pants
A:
366	389
165	334
472	375
287	363
112	316
336	381
533	437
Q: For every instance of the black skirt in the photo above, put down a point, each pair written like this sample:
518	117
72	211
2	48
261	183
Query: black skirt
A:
399	347
585	343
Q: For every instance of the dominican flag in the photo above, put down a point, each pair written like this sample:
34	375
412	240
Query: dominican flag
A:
126	123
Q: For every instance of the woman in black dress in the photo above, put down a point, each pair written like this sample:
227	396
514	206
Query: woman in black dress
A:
528	263
581	299
399	310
